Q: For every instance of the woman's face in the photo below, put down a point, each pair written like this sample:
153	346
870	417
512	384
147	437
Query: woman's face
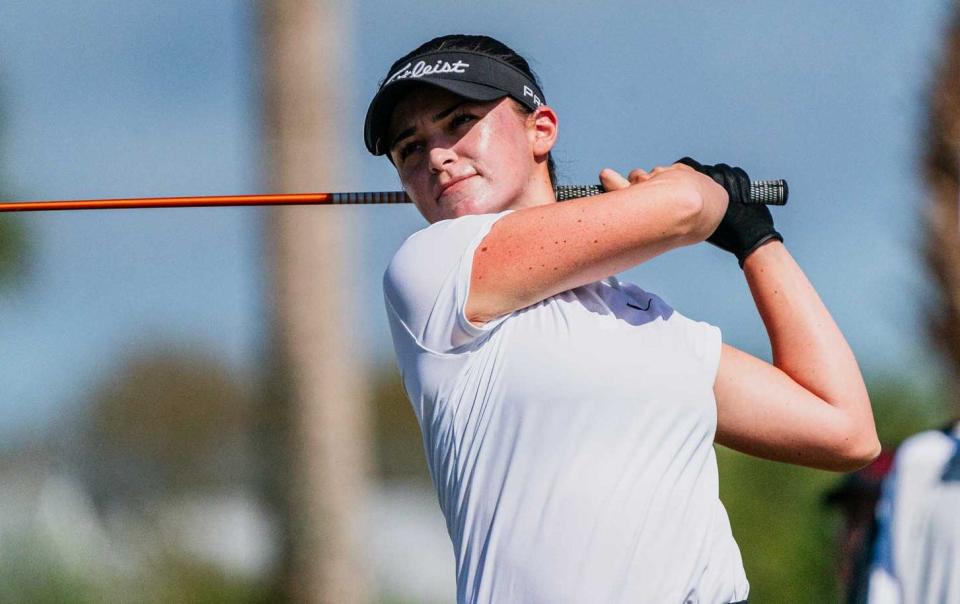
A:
457	157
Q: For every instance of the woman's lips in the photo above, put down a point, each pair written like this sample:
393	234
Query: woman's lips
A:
453	186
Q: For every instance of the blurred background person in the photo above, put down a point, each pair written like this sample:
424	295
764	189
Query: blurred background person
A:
916	555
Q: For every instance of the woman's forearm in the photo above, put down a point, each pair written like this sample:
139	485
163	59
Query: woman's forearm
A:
539	251
807	345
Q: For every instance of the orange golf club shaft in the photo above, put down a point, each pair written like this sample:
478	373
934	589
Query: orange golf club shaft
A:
772	192
217	200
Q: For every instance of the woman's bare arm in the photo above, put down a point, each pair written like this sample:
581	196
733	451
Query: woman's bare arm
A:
810	407
534	253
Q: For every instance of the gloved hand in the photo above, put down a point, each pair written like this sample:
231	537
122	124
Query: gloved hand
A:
745	226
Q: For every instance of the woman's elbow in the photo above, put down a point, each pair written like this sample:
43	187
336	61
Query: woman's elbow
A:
857	449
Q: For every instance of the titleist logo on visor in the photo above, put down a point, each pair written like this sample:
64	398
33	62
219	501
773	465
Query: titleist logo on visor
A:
423	69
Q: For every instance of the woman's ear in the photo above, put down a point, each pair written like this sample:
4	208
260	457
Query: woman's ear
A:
542	128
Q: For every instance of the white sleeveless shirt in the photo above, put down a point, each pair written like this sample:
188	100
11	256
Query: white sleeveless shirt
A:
570	442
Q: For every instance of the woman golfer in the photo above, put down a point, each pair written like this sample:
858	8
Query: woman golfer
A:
569	418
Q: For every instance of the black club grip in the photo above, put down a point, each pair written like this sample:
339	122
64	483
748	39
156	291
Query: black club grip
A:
770	192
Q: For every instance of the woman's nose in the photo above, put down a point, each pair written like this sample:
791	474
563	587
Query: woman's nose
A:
440	156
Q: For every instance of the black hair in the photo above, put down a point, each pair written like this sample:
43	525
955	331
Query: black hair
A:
488	46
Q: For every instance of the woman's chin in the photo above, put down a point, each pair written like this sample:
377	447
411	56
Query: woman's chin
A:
464	206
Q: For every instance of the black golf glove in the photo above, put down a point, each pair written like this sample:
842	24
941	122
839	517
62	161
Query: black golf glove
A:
745	226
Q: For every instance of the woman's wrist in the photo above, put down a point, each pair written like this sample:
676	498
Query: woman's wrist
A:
764	255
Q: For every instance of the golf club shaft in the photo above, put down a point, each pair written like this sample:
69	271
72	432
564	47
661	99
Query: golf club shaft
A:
765	191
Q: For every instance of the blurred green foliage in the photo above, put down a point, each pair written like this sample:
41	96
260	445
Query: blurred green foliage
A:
33	571
179	578
903	407
398	447
785	535
169	421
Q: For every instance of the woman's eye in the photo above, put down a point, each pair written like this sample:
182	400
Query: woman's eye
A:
463	118
407	149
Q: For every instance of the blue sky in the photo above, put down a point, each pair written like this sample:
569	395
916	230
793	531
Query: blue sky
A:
117	98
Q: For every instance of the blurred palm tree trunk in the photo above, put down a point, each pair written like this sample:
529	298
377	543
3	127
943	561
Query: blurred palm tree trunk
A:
941	167
327	435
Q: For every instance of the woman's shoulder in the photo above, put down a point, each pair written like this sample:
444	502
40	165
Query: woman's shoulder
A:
443	235
425	262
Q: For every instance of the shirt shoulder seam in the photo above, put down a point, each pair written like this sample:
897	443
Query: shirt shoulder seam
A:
392	309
